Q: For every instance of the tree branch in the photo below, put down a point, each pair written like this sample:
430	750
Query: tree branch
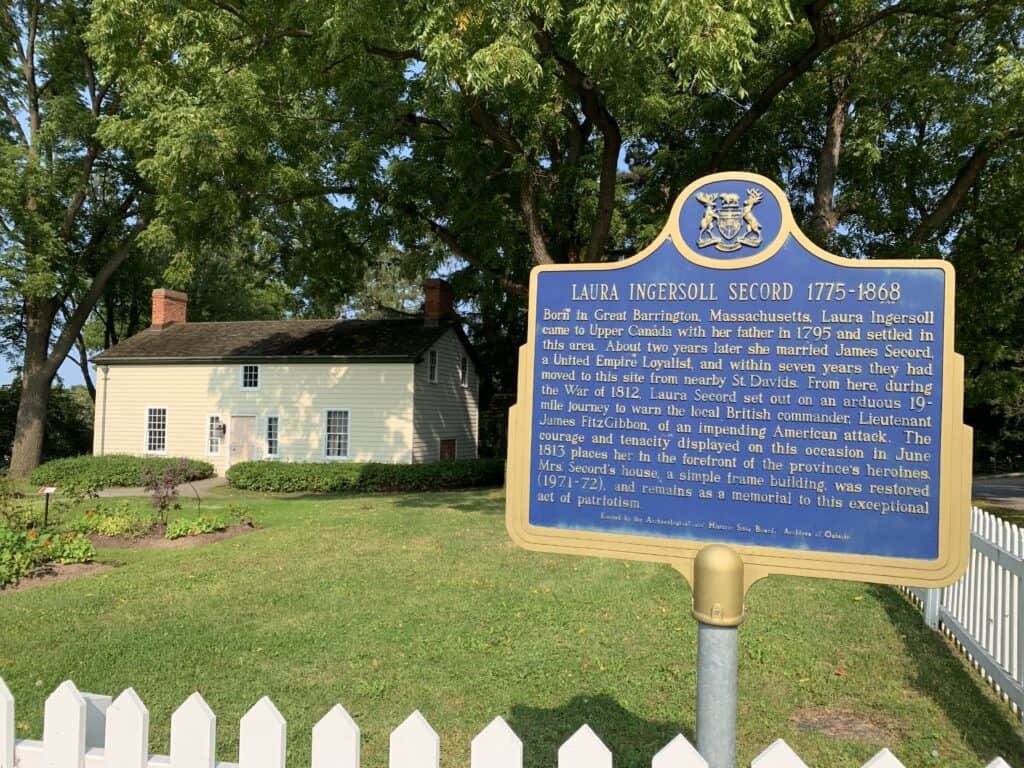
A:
447	237
13	120
824	218
78	198
592	103
531	215
394	55
953	200
824	39
490	125
85	305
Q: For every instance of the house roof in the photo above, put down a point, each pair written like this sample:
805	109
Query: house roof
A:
363	341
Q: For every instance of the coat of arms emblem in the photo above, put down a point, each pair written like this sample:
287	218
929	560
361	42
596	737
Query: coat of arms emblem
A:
726	224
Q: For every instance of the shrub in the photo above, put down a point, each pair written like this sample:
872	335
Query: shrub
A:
72	549
88	472
208	523
115	518
334	477
21	552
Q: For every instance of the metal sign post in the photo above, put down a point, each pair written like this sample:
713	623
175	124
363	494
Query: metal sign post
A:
718	608
46	492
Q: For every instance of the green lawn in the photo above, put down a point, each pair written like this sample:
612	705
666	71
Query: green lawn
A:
389	604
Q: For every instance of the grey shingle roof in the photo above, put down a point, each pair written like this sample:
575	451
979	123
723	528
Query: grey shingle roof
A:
401	340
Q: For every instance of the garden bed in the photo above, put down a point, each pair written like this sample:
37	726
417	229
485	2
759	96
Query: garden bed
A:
157	539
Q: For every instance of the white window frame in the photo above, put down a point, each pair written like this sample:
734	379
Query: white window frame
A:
258	377
432	366
348	434
277	436
464	370
209	434
146	426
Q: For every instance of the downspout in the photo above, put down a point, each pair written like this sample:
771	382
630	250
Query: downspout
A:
105	372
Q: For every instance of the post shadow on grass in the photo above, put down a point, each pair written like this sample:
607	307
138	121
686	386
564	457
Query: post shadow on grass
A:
947	681
633	740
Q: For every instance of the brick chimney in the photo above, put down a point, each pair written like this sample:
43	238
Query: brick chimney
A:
439	301
168	308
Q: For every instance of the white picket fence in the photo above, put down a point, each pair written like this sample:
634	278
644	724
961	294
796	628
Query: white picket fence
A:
91	731
982	612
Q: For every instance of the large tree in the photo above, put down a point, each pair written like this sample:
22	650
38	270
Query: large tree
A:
71	208
510	133
183	178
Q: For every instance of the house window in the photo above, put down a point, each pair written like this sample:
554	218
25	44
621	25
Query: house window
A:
432	366
336	435
250	377
273	448
447	450
464	371
156	430
214	435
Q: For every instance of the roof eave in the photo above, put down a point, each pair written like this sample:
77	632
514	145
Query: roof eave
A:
180	360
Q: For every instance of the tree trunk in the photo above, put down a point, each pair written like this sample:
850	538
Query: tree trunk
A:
825	218
30	426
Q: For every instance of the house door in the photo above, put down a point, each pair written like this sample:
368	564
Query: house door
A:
242	439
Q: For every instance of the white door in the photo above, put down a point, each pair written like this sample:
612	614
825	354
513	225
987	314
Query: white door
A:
242	439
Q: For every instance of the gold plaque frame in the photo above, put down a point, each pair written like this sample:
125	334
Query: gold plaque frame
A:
954	461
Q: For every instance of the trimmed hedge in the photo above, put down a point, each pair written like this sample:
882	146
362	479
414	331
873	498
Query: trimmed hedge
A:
335	477
112	470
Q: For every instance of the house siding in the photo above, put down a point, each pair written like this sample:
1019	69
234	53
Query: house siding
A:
445	410
378	397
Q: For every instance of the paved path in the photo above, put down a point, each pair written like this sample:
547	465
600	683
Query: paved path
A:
202	487
1002	490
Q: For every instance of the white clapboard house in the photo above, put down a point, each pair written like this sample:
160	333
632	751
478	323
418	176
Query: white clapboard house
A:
398	391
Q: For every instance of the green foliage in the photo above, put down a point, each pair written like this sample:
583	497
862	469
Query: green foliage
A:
336	477
115	522
22	552
19	554
113	470
207	523
110	518
69	418
72	549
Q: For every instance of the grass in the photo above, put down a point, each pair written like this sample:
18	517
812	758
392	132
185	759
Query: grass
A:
394	603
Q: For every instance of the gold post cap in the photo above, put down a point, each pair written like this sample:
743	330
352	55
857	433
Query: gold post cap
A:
718	586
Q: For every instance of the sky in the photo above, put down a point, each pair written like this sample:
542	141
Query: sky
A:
69	374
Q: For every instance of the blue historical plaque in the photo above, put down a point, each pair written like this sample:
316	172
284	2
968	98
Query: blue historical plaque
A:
736	384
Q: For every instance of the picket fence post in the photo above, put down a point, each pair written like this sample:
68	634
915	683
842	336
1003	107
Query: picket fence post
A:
6	726
193	734
335	740
584	750
262	737
414	744
64	728
127	733
679	753
496	746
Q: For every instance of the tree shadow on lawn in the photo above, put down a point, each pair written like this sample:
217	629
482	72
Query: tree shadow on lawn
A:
494	505
982	722
424	500
632	740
